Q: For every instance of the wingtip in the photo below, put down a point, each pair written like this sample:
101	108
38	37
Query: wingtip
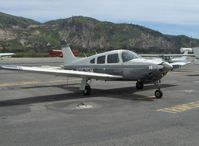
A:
9	67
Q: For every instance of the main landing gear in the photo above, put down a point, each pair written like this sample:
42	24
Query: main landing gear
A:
87	90
85	87
139	85
158	93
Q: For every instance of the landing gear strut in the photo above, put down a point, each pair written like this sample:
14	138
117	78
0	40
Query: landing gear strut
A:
87	90
158	93
139	85
85	87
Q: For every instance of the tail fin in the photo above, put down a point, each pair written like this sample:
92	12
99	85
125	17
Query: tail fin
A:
186	52
68	55
196	52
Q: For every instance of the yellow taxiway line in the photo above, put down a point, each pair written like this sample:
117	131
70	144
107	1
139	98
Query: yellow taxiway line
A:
181	107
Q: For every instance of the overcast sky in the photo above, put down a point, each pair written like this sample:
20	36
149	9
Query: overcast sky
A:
167	16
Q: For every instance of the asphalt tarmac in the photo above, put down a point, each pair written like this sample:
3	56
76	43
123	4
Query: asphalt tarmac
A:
39	109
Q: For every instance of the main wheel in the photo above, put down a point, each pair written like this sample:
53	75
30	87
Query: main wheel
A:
87	90
139	85
158	94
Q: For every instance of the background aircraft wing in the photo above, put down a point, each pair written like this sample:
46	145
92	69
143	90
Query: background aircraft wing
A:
63	72
179	63
6	54
166	55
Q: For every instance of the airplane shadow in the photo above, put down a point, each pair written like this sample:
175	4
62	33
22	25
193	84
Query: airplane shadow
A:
126	93
63	86
193	75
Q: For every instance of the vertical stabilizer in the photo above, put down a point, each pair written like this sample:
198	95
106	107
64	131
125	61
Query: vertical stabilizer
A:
68	55
196	52
186	52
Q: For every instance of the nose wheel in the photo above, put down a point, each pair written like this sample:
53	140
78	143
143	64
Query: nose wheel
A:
158	93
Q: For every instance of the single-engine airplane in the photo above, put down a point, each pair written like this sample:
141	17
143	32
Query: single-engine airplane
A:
116	65
176	60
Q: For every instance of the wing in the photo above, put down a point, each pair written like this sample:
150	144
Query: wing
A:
179	63
166	55
63	72
6	54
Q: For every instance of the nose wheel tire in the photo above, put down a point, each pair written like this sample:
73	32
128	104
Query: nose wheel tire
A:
158	94
139	85
87	90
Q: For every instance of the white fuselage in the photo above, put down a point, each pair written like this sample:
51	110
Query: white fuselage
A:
124	63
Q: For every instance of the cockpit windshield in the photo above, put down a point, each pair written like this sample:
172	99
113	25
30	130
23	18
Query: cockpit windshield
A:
128	55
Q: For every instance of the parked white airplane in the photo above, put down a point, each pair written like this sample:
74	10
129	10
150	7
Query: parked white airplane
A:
117	65
180	61
6	54
176	60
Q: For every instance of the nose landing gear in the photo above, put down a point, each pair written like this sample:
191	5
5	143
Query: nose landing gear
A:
158	93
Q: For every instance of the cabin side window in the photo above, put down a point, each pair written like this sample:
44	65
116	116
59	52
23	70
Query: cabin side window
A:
92	61
101	60
113	58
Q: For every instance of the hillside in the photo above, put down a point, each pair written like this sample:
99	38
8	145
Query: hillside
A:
7	20
19	34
